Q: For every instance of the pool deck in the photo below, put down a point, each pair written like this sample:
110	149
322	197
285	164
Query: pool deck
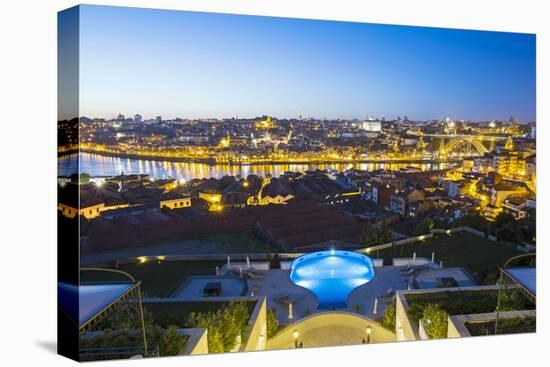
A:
385	278
193	287
431	278
277	284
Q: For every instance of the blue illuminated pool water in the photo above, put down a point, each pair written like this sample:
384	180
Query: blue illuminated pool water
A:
332	275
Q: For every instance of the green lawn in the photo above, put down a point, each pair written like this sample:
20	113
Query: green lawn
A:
476	254
160	279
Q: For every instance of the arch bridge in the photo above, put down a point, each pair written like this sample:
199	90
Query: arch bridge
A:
474	142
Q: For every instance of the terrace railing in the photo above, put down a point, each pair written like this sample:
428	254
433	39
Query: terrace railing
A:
123	352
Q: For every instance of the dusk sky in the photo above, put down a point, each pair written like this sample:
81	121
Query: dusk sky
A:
193	65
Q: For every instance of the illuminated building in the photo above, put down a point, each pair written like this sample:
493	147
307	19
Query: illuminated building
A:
400	202
273	192
214	200
517	206
507	188
370	125
381	194
492	211
225	142
456	188
265	124
182	202
92	200
509	144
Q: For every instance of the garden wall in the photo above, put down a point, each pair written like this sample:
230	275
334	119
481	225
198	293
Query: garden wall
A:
197	342
256	333
457	324
405	329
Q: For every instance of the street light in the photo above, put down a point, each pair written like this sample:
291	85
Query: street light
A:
369	331
295	334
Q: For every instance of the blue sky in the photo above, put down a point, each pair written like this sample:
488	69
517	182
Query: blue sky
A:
192	65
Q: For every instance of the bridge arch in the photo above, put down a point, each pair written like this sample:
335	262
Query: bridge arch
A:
476	143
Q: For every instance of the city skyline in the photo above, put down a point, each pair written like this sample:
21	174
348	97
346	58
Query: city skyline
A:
397	118
201	65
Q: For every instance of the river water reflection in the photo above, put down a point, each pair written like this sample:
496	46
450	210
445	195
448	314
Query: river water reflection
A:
98	165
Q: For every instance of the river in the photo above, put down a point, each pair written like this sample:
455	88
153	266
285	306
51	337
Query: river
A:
97	165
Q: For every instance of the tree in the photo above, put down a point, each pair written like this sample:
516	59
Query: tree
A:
368	235
415	312
511	300
171	342
372	235
388	320
384	234
126	317
224	326
272	323
508	228
424	227
504	219
436	321
532	223
475	221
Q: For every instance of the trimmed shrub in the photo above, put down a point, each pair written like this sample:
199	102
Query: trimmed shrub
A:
435	321
224	326
388	320
272	323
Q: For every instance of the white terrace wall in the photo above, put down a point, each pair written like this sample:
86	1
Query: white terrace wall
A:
405	241
405	330
403	326
256	332
197	342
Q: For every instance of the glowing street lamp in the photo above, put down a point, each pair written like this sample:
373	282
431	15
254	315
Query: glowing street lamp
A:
369	331
295	335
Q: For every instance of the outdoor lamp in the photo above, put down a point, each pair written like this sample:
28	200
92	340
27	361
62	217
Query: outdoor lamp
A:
369	331
295	334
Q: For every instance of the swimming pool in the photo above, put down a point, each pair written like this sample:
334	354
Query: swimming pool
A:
332	275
